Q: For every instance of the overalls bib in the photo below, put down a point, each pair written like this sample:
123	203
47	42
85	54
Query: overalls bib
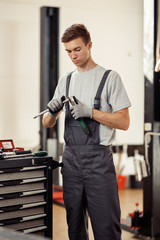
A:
89	179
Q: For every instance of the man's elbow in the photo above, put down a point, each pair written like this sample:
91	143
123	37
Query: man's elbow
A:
126	125
125	128
124	119
47	121
45	124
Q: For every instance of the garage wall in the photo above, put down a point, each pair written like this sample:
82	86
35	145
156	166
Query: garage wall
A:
116	29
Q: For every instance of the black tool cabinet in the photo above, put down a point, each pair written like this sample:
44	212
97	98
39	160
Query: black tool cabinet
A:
26	195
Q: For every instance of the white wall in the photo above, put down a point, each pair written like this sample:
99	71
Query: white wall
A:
116	28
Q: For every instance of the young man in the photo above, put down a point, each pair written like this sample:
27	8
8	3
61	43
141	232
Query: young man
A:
89	178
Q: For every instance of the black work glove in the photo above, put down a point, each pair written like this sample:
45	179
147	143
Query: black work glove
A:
55	105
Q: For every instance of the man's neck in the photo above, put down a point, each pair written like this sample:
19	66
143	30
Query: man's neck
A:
87	67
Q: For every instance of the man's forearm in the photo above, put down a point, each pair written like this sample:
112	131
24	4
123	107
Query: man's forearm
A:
119	120
49	121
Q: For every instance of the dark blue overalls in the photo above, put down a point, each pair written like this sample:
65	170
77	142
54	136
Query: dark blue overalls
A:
89	179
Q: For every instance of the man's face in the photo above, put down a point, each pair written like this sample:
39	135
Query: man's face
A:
78	51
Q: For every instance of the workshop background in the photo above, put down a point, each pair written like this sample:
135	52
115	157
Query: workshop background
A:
125	38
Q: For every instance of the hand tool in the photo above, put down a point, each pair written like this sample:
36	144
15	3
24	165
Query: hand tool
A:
73	101
47	110
37	154
21	152
41	113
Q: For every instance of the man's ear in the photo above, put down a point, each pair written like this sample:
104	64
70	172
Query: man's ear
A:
90	45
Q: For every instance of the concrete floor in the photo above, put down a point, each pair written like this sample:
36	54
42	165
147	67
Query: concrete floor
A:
128	198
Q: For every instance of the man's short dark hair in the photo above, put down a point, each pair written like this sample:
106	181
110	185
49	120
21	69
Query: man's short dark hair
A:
75	31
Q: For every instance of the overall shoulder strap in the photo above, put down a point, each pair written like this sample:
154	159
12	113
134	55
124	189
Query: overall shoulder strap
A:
68	83
67	88
99	91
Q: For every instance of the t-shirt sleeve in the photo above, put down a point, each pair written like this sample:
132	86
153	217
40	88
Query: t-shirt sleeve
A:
117	95
60	88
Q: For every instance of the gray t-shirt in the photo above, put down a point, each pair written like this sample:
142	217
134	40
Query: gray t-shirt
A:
84	86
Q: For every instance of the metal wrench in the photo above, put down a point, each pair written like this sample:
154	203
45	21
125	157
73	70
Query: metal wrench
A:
47	110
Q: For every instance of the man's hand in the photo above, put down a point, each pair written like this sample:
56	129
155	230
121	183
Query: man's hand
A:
81	110
55	105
